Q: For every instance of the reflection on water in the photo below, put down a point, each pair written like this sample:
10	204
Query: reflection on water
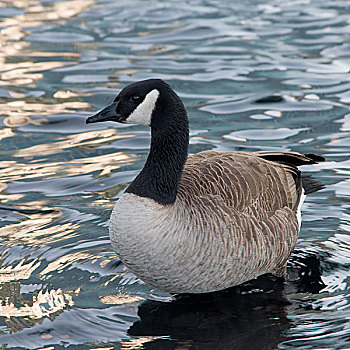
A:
87	139
254	76
20	271
225	320
44	304
37	229
251	316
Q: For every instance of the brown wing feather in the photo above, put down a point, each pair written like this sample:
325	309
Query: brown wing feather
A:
242	181
252	198
248	201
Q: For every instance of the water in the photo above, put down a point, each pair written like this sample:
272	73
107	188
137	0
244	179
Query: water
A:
254	75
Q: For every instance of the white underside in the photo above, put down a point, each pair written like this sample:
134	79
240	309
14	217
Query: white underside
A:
179	251
302	199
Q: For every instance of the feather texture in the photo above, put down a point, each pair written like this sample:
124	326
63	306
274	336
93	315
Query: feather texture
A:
234	218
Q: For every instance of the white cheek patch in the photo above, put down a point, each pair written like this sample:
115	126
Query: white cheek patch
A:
143	113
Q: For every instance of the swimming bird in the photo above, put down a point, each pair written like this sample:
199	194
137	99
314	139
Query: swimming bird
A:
205	222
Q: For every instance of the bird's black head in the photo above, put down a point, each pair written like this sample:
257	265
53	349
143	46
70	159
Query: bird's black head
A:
148	102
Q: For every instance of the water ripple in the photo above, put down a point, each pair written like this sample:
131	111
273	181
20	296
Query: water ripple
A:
253	76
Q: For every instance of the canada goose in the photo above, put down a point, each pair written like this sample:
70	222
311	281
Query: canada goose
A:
208	221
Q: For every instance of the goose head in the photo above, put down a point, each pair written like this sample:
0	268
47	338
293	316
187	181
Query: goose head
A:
153	103
148	102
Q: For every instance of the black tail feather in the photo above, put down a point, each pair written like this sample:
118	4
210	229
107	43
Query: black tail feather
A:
310	185
315	157
294	159
290	158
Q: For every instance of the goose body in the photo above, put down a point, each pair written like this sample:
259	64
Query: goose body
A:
208	221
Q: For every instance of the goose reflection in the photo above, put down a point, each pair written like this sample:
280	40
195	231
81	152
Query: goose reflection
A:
250	316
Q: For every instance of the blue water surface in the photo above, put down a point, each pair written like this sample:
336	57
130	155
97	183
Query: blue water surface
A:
254	75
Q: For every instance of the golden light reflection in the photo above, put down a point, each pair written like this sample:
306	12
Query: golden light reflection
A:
88	139
16	27
136	343
19	65
105	164
25	109
11	170
38	230
104	203
22	270
15	121
68	259
65	94
5	198
6	132
120	299
23	72
44	303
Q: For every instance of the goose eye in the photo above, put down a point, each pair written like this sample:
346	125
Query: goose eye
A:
135	98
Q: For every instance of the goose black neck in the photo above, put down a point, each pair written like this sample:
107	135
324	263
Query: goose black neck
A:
160	177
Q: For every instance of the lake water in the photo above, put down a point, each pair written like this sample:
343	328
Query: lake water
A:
254	75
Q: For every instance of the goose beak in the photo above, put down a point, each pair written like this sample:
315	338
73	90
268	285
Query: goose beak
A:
107	114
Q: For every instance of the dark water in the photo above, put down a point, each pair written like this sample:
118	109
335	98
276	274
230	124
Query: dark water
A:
254	75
